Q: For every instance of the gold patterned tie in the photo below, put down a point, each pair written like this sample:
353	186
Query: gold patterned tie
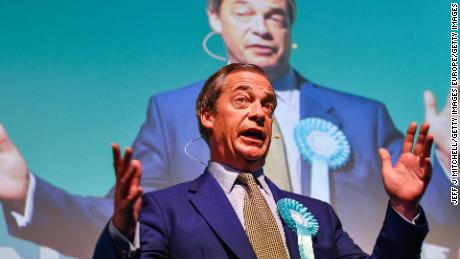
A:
260	224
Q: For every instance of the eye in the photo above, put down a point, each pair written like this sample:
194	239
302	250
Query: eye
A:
277	19
269	107
241	101
242	11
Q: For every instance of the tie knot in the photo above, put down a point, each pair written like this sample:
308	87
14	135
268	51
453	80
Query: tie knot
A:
247	179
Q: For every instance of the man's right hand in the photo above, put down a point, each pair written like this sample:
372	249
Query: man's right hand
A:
14	175
127	192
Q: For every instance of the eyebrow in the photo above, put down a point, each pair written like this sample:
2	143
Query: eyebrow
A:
243	87
276	10
270	95
273	9
241	2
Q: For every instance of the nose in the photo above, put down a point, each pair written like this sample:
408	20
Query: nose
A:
257	114
259	26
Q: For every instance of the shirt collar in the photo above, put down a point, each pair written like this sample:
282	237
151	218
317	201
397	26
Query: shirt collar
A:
226	176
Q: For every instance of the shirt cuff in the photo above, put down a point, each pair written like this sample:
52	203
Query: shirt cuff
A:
23	220
123	245
413	221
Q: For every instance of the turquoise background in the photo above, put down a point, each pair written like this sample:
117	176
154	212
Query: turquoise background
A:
76	75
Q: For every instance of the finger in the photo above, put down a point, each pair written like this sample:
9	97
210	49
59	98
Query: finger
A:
126	180
409	139
5	142
135	194
385	159
446	109
116	159
135	188
426	150
428	145
420	143
428	172
430	104
136	179
127	158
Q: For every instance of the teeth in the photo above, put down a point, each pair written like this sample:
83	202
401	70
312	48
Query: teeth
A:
254	135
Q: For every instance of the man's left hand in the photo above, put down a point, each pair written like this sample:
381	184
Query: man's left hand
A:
128	192
406	181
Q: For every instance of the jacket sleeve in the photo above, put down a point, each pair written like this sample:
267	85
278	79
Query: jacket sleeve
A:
62	221
397	238
154	237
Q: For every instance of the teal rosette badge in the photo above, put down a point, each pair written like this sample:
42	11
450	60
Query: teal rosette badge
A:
325	146
300	220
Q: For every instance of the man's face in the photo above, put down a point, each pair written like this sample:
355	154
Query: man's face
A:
255	31
242	123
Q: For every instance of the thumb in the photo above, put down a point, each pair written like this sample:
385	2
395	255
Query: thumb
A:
430	104
5	142
385	158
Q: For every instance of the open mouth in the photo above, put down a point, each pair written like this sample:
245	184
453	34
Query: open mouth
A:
254	135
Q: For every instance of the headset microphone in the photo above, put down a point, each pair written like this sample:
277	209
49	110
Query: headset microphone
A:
189	155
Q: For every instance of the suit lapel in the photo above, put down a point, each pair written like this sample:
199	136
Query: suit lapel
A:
210	201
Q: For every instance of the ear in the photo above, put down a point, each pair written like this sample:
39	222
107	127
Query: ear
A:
207	119
214	21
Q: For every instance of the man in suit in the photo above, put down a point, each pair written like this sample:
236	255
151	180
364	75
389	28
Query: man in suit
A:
230	210
259	32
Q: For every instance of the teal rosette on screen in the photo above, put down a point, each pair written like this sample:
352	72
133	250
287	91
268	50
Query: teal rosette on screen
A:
300	220
325	146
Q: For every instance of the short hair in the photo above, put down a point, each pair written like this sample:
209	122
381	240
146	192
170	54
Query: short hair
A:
214	6
212	88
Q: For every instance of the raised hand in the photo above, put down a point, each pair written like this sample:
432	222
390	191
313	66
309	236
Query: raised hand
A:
406	181
127	192
14	175
439	126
